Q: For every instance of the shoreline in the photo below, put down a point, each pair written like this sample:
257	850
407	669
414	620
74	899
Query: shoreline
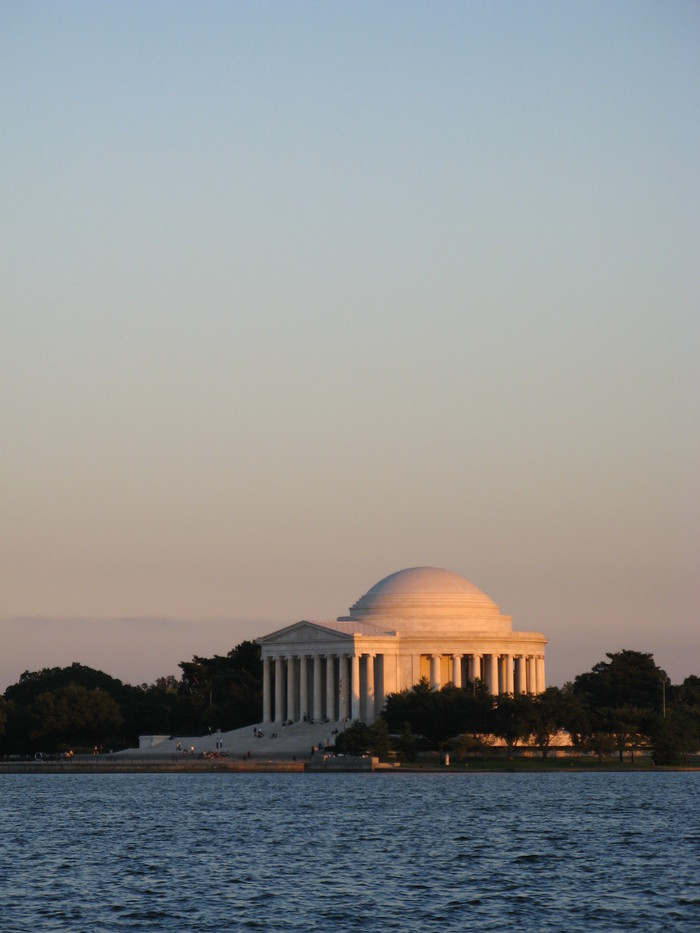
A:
302	766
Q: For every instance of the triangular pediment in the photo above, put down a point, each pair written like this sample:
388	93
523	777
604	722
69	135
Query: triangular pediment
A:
307	633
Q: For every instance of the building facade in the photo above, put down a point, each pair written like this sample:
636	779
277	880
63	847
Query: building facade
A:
419	622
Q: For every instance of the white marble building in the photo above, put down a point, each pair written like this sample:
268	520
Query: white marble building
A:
420	622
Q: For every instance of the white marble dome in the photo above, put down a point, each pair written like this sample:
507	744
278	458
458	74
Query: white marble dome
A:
420	597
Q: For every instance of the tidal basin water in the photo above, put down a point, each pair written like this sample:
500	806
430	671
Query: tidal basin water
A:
405	852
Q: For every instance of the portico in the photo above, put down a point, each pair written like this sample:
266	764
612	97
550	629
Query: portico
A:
319	670
421	622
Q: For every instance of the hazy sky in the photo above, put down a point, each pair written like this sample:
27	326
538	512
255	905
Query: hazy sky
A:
295	295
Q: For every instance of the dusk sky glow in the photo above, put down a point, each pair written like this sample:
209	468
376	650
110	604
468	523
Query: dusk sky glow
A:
296	295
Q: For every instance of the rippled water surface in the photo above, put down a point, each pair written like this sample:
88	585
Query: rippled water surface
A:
336	852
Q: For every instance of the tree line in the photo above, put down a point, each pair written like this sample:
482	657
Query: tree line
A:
80	708
619	705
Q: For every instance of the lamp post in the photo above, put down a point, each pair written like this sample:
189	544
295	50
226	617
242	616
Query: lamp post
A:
664	678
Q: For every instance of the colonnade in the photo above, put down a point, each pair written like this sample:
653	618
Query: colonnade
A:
502	673
329	686
348	686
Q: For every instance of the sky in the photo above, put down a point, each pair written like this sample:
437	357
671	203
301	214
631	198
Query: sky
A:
298	294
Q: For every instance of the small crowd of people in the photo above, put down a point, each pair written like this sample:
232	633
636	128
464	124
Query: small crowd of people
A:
219	753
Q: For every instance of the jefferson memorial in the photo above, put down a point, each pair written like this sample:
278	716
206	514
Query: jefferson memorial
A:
420	622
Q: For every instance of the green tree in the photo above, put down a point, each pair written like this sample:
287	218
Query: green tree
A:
354	740
548	714
472	744
438	715
154	708
32	683
419	706
379	739
576	718
406	744
39	714
626	724
688	693
361	739
73	715
676	735
513	719
599	743
223	692
628	678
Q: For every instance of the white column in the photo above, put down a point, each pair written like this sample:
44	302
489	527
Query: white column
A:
476	667
531	676
343	686
291	689
303	688
492	674
540	675
317	687
435	671
369	689
510	687
267	717
457	670
522	676
330	687
355	686
279	689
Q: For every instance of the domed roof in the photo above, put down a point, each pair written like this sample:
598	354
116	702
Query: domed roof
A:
424	594
417	581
